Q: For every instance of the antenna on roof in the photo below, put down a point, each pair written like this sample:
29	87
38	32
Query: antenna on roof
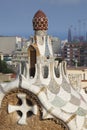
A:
84	31
79	25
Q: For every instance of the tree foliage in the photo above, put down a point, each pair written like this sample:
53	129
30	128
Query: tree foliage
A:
4	68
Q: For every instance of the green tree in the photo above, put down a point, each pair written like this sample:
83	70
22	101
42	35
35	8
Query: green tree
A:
4	67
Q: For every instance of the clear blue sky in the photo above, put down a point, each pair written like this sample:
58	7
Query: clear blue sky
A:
16	16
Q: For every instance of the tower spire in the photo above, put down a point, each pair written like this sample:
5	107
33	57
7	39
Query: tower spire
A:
69	35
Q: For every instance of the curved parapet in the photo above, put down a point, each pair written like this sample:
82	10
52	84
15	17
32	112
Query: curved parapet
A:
57	97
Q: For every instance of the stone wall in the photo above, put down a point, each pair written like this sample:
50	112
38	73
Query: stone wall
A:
6	77
78	74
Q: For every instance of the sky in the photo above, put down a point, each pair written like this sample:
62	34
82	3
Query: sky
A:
16	16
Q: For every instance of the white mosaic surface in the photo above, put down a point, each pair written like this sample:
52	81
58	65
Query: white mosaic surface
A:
64	103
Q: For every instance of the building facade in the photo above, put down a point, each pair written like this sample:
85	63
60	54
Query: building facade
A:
75	54
1	56
8	44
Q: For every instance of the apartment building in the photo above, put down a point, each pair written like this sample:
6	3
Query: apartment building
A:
8	44
75	54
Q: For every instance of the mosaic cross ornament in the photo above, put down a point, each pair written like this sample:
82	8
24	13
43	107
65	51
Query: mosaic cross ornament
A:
24	108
